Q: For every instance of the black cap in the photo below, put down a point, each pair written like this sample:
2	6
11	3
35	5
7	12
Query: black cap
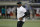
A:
19	3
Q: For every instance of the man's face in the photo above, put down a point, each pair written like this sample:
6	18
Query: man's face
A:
19	5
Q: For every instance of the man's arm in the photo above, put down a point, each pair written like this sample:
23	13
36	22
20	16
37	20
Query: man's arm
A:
25	15
21	18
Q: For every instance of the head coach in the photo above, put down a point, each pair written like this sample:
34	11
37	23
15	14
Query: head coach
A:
20	14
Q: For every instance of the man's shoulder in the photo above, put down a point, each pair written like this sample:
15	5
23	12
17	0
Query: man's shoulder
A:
22	7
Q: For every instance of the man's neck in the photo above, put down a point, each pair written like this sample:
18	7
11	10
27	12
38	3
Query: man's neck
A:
19	6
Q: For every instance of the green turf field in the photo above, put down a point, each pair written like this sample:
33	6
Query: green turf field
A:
13	23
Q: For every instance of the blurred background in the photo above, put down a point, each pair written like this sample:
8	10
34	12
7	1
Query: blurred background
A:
8	8
8	12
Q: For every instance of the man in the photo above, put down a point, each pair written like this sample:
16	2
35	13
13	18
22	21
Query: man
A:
13	11
8	12
20	14
3	11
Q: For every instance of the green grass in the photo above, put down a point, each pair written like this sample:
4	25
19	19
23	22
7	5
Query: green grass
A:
13	23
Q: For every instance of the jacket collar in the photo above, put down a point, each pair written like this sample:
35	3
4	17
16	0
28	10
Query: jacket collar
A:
20	7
